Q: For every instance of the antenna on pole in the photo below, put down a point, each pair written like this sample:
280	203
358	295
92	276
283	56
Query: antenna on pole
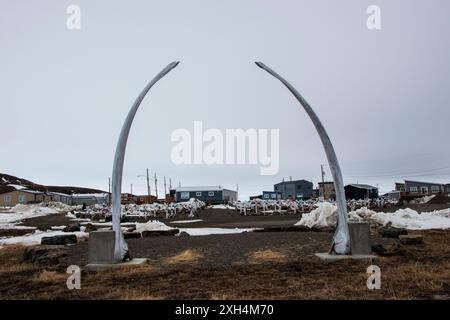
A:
149	191
156	186
165	190
323	180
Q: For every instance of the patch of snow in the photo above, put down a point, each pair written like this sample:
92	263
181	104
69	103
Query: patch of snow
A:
17	186
57	227
152	225
25	211
210	231
71	215
222	206
186	221
35	238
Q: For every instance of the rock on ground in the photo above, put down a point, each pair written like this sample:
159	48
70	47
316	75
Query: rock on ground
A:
60	240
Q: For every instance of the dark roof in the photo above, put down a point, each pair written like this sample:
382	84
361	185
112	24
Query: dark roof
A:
362	186
292	181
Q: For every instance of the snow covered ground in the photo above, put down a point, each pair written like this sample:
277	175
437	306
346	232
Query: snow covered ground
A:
25	211
210	231
35	238
326	216
187	221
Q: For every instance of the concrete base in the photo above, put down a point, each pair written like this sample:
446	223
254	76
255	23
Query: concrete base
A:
105	266
336	257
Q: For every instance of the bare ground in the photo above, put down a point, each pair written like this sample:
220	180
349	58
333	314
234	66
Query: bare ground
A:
266	265
278	265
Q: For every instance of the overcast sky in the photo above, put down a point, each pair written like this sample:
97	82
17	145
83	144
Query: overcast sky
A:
383	95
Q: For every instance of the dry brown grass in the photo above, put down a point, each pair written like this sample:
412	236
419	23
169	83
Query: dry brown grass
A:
50	276
10	257
418	272
268	256
183	257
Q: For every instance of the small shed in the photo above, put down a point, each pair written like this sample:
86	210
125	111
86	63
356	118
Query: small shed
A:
360	191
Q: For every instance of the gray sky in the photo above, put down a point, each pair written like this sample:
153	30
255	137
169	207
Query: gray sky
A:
382	95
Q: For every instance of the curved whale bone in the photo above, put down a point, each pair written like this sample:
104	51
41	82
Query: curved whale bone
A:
121	248
341	240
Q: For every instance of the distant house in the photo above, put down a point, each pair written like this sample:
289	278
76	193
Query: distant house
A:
360	191
144	199
424	188
90	198
326	190
12	198
271	195
60	197
294	189
400	186
208	194
392	195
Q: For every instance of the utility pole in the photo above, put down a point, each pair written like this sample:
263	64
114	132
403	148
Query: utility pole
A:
170	183
165	190
109	190
156	186
323	181
148	185
237	192
131	189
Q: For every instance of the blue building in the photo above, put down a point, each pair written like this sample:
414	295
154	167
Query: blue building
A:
207	194
294	189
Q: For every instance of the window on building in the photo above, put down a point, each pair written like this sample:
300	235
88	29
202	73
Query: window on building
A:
435	189
273	195
266	196
198	194
22	199
412	189
7	199
184	195
211	193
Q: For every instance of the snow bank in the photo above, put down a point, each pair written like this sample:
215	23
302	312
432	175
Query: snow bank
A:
35	238
152	225
326	216
410	219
